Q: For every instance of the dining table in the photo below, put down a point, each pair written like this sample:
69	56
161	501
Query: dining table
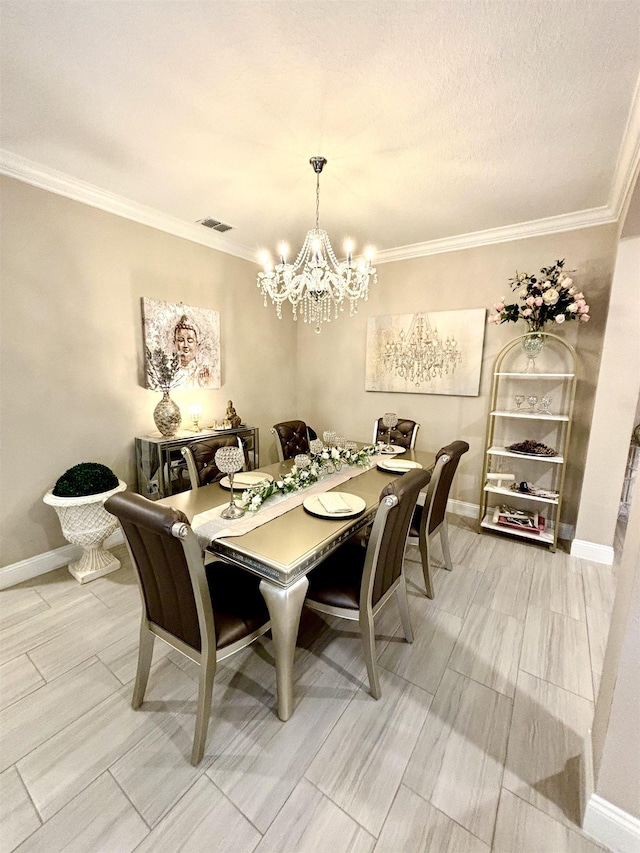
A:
282	551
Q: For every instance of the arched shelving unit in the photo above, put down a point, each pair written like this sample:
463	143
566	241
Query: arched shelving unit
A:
531	404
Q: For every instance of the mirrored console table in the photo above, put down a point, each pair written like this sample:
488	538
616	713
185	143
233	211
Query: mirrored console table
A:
161	467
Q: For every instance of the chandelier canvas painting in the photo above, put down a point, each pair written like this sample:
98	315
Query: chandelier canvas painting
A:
191	334
426	353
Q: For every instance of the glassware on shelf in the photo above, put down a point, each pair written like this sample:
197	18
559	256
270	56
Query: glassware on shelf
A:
519	399
230	460
533	402
389	420
545	405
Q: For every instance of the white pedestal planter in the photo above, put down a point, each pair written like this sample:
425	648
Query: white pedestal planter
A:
86	522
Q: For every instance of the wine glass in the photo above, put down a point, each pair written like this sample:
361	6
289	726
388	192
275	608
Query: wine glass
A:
532	401
545	405
389	420
519	398
229	460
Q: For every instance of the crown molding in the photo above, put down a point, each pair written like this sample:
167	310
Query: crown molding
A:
520	231
628	163
15	166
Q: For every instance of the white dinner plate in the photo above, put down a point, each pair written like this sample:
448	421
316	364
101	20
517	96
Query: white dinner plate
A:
245	480
394	451
356	505
397	466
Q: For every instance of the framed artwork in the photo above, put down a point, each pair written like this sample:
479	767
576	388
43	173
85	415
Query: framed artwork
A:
435	353
193	334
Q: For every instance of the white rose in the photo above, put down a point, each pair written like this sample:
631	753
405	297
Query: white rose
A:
551	296
335	453
304	475
523	293
256	500
573	307
280	484
567	282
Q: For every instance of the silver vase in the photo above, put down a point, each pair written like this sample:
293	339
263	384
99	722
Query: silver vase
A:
167	416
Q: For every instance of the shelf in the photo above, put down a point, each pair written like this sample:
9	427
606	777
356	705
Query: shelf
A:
502	451
539	375
536	416
495	490
545	537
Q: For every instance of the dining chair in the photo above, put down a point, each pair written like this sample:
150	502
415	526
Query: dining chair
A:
292	438
200	458
431	518
404	434
206	613
355	583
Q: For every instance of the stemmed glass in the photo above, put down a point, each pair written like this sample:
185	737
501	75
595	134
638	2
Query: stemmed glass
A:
390	420
532	401
545	405
519	398
229	460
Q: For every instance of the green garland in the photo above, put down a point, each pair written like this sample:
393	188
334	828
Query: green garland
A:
330	459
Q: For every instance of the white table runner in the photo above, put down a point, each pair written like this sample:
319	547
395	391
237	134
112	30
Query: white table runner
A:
208	525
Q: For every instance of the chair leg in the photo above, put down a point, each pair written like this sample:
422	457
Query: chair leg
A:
367	630
425	553
205	689
145	654
403	607
444	541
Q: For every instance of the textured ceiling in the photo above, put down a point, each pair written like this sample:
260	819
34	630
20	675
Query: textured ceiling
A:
437	118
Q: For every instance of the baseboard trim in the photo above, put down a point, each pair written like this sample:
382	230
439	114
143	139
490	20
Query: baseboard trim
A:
33	567
592	551
611	826
468	510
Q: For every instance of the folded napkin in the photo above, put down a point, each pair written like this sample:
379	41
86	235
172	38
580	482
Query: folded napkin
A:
333	502
249	478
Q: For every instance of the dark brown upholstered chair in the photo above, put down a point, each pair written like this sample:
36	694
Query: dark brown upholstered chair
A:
206	614
432	517
200	456
404	434
292	437
354	583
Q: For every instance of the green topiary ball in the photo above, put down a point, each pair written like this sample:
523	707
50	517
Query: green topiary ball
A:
87	478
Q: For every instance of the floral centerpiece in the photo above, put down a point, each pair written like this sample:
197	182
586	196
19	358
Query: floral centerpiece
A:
320	464
550	297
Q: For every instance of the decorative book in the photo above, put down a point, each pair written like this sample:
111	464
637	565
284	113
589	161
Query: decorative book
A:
518	519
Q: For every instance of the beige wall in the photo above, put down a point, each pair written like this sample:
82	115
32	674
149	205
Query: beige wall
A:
72	278
616	724
615	404
331	365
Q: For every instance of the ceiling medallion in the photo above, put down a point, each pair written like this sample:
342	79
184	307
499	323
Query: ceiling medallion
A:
317	285
420	355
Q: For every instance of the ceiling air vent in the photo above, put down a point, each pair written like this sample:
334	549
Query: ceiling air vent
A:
214	224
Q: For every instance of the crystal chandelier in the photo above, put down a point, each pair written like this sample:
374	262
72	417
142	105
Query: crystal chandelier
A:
420	355
317	285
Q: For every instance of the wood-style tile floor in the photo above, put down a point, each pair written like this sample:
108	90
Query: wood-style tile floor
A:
474	746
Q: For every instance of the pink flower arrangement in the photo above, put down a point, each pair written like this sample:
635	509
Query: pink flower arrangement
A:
550	297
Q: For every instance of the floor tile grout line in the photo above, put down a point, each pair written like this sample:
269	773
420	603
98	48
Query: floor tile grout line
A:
125	795
31	800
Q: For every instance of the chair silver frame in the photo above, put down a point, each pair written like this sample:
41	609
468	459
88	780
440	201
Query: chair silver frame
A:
208	658
414	434
367	611
192	468
422	540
